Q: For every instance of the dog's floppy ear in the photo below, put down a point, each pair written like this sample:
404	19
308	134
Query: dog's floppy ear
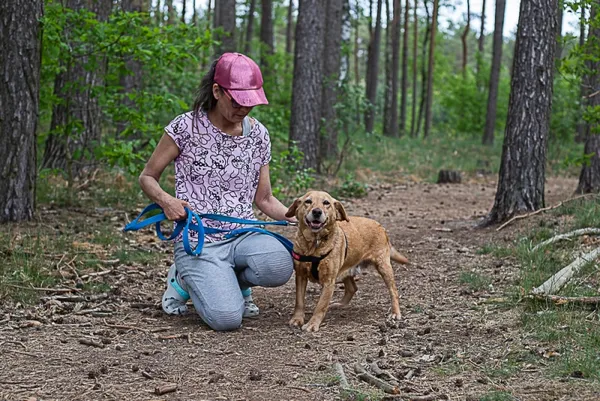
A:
340	211
292	210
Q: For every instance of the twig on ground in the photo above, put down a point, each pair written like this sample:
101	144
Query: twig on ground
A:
576	233
60	290
22	352
123	327
97	274
167	388
77	298
556	282
147	375
559	300
91	343
522	216
339	369
374	381
299	388
382	374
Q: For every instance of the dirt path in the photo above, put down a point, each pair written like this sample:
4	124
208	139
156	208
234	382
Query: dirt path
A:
451	343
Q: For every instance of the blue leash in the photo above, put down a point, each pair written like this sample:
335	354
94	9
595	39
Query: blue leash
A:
184	226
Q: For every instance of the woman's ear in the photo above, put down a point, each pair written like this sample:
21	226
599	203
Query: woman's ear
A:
341	212
216	90
293	208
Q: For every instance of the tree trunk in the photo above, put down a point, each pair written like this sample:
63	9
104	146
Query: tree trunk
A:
209	14
393	126
581	125
194	14
183	10
308	79
387	86
170	12
464	40
331	72
346	38
423	69
225	18
404	84
20	48
356	45
250	28
76	120
490	119
158	13
558	53
480	45
522	169
266	33
428	115
589	179
373	71
413	119
290	28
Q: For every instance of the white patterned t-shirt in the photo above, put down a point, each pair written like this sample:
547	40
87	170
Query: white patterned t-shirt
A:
216	172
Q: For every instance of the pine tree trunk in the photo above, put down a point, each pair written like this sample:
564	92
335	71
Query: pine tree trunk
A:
589	179
356	45
194	14
413	118
428	116
225	18
76	120
266	33
404	84
558	53
423	69
183	10
581	125
250	28
290	28
308	79
158	13
387	91
20	47
393	127
170	12
331	73
522	169
464	40
373	71
345	44
490	119
481	41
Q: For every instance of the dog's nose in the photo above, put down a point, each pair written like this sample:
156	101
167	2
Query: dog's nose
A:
317	213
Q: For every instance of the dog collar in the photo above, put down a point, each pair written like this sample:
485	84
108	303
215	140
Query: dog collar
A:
315	260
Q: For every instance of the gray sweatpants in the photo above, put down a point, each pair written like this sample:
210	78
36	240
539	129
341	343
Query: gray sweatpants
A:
214	278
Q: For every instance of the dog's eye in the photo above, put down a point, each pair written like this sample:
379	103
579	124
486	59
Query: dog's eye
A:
308	201
326	203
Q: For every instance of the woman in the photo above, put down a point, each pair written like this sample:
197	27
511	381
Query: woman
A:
221	166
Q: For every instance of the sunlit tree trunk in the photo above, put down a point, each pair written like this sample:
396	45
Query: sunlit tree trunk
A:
392	128
429	103
404	84
423	69
413	119
523	165
490	119
305	120
20	47
373	71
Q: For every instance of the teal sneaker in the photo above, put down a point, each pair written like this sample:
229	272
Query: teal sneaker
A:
176	295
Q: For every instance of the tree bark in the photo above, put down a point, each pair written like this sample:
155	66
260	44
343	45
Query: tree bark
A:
393	127
225	19
331	72
308	79
266	33
170	12
522	169
413	119
428	116
480	42
404	84
589	178
490	119
250	28
582	125
373	71
558	53
387	85
423	69
289	40
20	59
464	40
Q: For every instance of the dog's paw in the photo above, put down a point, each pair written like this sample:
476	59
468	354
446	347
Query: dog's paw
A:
394	316
337	305
297	322
311	327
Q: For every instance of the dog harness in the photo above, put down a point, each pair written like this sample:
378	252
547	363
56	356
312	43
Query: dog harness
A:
315	260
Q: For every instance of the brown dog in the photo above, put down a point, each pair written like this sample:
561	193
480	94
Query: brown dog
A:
328	247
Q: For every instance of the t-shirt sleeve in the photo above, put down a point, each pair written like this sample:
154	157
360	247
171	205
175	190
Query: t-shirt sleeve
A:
265	150
179	130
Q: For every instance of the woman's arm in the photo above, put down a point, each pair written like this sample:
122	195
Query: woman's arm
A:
166	151
265	200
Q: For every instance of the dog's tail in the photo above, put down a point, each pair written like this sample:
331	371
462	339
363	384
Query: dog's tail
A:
397	256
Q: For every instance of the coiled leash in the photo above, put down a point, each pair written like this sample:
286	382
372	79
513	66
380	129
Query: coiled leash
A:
184	226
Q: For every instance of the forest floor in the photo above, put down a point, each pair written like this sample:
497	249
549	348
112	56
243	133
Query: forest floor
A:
454	342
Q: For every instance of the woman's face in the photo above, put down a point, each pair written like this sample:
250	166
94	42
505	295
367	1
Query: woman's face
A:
228	107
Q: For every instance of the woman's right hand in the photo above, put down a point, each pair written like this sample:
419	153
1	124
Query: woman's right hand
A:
174	208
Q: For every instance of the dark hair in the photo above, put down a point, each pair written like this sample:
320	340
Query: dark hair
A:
205	100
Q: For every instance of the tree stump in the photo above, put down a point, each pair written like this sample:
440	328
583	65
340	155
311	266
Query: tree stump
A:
449	177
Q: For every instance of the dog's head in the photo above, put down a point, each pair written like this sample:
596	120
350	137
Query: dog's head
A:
317	210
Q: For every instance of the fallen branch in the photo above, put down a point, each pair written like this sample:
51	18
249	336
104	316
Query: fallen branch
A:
560	300
522	216
339	369
123	327
167	388
382	374
374	381
59	290
576	233
91	343
556	282
77	298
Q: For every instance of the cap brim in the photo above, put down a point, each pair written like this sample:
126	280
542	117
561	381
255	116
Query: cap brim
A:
250	97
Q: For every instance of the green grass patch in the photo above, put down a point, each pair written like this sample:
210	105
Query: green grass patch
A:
475	281
497	396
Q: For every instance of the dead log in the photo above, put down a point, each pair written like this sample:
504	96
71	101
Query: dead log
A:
449	177
372	380
556	282
576	233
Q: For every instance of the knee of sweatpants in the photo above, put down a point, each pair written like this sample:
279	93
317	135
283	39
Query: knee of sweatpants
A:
277	268
224	321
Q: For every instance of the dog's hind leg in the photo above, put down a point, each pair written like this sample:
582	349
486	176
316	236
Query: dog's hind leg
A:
384	267
350	289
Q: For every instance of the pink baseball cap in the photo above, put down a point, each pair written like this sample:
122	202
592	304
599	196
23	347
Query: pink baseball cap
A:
242	78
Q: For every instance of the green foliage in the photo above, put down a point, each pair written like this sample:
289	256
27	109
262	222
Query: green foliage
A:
350	188
288	177
475	281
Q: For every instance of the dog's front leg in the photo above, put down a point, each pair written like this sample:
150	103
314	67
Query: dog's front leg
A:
298	316
322	306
